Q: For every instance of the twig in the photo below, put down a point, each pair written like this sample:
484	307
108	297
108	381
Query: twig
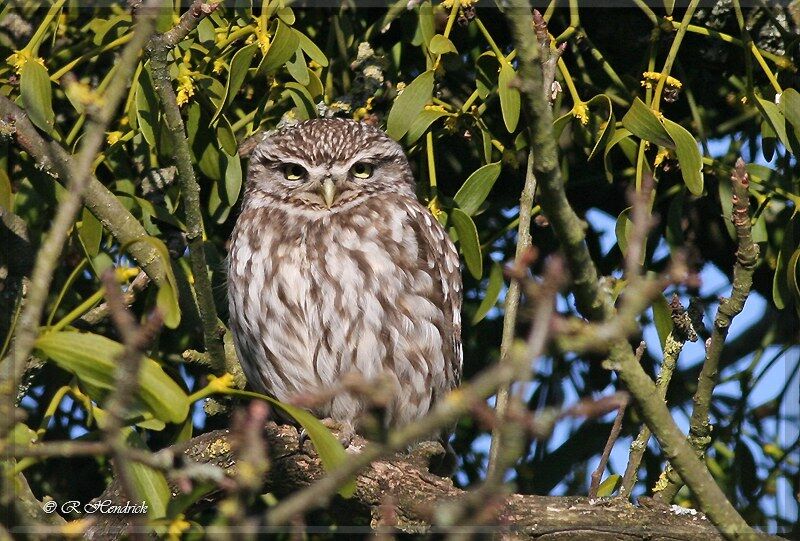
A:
95	315
511	304
595	303
743	269
681	332
597	474
158	49
126	378
47	256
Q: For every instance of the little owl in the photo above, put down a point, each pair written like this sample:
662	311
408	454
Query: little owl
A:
335	268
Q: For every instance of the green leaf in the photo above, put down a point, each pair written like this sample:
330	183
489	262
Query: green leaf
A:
780	281
183	501
409	104
790	106
441	45
486	139
560	123
426	23
148	483
476	188
642	122
286	14
674	229
239	65
302	100
311	49
606	129
282	47
662	317
314	86
226	137
6	193
468	241
623	229
298	68
509	96
167	301
688	156
92	358
233	179
329	449
774	116
146	106
486	69
609	485
493	288
205	33
422	123
90	232
22	436
37	95
793	277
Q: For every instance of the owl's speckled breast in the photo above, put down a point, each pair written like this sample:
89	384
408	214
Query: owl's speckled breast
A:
358	291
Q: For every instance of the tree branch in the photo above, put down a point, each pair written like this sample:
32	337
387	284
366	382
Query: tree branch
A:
52	157
746	260
420	498
591	300
158	49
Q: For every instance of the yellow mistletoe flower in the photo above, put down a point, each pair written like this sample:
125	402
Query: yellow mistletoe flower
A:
662	155
581	112
185	89
113	137
20	58
219	65
177	527
649	78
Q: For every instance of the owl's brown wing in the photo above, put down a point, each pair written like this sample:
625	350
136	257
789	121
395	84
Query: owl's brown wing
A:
440	255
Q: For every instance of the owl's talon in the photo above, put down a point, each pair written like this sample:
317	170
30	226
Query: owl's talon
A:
302	437
344	428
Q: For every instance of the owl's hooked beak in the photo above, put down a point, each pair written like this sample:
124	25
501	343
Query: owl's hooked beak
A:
328	192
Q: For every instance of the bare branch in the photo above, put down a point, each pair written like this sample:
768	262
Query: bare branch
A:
158	49
746	260
594	302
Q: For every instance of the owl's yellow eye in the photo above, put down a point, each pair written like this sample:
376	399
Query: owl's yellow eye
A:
361	170
292	171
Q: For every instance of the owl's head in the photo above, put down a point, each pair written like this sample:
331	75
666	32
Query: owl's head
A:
327	165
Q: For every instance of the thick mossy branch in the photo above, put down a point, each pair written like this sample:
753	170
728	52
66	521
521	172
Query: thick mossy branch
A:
421	500
591	300
116	219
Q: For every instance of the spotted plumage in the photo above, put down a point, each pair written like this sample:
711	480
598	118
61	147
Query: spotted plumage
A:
335	267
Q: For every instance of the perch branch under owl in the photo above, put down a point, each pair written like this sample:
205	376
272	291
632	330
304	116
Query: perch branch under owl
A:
418	497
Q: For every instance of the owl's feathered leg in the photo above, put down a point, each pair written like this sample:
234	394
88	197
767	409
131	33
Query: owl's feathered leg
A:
345	429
